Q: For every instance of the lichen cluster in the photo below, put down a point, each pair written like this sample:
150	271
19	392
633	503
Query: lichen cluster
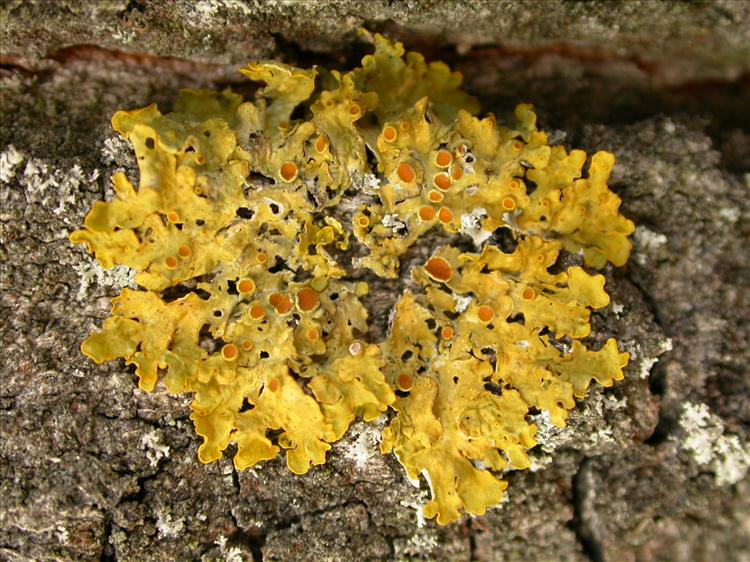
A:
253	223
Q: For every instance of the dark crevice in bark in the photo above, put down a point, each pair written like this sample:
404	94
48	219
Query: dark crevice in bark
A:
252	539
657	376
108	550
666	424
648	299
256	548
138	496
581	524
472	539
135	5
720	97
336	59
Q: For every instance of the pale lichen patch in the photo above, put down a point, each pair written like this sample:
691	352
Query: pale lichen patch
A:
707	443
647	240
10	160
471	226
360	445
648	244
230	553
62	534
155	449
53	187
168	527
419	545
91	274
116	150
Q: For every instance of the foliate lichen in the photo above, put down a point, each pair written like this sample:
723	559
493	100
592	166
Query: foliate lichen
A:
256	225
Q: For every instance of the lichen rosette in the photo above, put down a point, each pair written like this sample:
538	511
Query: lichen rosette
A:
257	227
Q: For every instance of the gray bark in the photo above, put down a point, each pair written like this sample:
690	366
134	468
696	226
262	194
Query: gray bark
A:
651	469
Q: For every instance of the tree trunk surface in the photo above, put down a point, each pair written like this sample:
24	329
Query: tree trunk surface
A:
652	469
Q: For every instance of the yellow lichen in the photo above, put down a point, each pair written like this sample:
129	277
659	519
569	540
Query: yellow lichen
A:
248	296
472	394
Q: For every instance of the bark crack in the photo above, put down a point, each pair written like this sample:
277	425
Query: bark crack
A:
584	523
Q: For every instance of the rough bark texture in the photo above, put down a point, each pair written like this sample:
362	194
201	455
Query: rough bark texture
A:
653	469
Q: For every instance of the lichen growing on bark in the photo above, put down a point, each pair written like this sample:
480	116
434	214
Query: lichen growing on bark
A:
248	297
